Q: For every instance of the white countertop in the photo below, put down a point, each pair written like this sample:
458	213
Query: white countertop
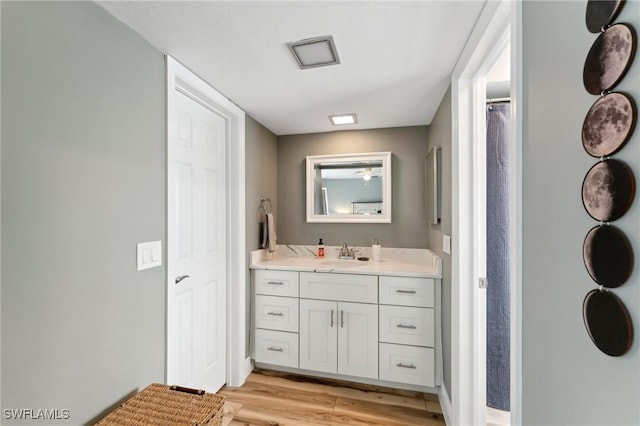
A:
394	261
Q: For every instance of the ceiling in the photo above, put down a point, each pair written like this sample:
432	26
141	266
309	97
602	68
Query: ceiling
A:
396	56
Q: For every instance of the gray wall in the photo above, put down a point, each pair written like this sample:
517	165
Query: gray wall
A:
261	176
408	146
566	379
83	180
440	137
261	147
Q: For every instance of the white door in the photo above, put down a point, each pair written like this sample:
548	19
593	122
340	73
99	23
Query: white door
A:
196	334
318	335
358	339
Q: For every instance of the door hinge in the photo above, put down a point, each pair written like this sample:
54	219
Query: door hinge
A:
483	282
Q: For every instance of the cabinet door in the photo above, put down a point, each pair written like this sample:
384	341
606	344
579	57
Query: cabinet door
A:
318	335
340	287
407	364
407	325
358	339
276	313
276	283
407	291
277	348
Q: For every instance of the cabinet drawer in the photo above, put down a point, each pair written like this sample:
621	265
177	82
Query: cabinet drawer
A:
277	347
276	283
340	287
277	313
407	364
408	326
407	291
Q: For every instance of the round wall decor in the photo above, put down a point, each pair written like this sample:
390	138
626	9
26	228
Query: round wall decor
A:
608	256
608	322
609	124
608	190
601	13
609	58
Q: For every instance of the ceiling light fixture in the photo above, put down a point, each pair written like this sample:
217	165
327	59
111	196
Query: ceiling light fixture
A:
314	52
343	119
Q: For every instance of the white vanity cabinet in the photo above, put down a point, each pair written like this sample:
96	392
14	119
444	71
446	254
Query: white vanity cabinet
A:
338	334
339	337
371	327
407	330
276	317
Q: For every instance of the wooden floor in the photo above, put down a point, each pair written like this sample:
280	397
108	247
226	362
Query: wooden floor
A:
279	399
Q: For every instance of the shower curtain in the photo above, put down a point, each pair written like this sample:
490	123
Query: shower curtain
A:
498	294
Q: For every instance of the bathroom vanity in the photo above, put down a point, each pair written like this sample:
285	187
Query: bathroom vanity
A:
364	321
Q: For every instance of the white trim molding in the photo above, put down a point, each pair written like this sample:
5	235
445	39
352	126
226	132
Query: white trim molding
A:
497	27
179	78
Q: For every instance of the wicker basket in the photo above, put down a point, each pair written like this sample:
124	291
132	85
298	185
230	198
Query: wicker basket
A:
163	405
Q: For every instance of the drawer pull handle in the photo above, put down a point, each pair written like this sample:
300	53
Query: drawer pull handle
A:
401	365
275	283
406	291
271	348
332	318
411	327
276	314
341	319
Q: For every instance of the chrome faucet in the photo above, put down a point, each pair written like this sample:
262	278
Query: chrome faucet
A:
345	252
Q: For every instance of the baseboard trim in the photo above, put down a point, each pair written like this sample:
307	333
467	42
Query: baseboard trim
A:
445	404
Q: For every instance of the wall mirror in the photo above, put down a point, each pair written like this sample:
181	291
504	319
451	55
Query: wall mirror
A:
349	188
432	186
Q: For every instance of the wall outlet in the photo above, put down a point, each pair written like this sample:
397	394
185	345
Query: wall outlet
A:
446	243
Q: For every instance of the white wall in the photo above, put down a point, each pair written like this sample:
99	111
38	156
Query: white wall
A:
566	379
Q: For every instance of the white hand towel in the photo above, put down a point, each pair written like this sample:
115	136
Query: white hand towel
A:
271	232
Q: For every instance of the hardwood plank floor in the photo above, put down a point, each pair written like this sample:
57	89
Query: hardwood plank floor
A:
270	398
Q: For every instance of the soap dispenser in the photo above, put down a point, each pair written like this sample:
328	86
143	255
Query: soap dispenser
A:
320	248
376	250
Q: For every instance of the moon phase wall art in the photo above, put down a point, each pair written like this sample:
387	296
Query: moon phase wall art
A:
608	256
609	58
601	13
608	189
608	124
608	322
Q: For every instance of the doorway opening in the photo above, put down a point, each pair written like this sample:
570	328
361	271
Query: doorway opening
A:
181	81
497	236
498	29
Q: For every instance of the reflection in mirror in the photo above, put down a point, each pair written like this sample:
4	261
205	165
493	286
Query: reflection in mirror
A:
349	188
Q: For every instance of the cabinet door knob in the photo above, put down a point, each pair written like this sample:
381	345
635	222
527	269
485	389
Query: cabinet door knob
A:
332	318
341	319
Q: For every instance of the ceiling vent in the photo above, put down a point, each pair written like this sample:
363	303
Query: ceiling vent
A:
314	52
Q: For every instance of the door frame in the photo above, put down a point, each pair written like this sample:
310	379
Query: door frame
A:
499	23
179	78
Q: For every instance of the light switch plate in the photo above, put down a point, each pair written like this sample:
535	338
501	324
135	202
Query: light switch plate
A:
446	243
149	255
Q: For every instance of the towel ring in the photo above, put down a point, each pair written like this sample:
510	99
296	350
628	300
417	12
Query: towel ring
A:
265	205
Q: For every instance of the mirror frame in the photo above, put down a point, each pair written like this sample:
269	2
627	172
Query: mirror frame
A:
385	217
432	186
